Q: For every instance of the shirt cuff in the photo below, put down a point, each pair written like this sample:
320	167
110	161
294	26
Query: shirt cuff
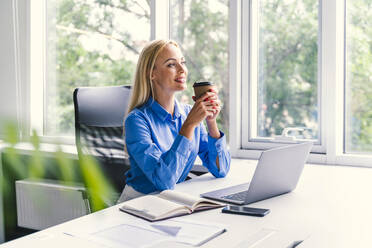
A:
181	145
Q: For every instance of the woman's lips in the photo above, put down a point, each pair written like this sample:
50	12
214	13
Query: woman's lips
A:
180	80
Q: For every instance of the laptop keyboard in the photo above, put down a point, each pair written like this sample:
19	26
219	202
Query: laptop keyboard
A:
240	196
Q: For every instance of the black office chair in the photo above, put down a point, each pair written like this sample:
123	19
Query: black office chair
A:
99	116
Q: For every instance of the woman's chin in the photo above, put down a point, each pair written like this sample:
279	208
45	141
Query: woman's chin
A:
181	87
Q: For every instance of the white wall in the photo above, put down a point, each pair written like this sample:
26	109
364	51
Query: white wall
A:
14	75
8	106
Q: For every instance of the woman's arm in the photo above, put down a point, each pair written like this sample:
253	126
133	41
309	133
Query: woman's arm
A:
163	169
214	133
213	152
213	149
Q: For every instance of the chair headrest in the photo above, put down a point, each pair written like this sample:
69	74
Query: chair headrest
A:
101	106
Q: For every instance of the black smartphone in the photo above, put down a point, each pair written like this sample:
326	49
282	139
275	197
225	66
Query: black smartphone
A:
231	209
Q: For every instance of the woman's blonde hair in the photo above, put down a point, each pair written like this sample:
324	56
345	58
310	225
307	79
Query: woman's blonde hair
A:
142	88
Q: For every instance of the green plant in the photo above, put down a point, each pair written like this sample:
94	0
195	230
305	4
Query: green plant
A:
19	163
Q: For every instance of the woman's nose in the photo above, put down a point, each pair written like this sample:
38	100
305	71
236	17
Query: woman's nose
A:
181	67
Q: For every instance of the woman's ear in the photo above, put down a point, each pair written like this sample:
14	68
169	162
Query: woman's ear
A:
153	74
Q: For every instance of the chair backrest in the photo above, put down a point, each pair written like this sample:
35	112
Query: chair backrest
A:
99	116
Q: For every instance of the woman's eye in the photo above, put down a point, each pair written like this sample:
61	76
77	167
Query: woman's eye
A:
171	65
183	62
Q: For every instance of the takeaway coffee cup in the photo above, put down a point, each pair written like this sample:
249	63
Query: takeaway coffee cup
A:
201	87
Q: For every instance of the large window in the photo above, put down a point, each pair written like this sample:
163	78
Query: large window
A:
358	99
97	43
284	70
201	28
89	43
304	65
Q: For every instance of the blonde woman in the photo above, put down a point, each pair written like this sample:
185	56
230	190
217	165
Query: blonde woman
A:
163	136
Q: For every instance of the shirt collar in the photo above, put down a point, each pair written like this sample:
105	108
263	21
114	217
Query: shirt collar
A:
162	113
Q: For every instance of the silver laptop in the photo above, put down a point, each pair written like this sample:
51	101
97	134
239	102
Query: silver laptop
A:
277	172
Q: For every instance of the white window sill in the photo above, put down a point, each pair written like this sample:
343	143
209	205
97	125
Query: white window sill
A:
315	158
358	160
46	148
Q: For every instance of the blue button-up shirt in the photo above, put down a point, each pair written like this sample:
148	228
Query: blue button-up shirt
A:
159	156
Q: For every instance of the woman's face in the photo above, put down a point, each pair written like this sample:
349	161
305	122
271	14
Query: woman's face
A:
170	72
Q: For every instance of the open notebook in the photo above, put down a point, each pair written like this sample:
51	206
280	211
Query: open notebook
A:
167	204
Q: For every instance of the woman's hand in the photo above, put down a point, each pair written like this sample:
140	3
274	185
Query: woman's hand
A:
215	103
206	107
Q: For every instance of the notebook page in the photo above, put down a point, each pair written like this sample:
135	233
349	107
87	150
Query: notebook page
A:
179	197
152	206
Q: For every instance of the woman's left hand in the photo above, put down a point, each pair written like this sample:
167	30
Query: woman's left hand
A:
215	103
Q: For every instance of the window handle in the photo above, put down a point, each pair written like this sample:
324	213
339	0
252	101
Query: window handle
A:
285	137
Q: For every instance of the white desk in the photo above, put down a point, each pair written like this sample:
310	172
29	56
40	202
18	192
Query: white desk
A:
332	204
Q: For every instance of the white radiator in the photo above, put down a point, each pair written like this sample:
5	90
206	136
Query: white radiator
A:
42	203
